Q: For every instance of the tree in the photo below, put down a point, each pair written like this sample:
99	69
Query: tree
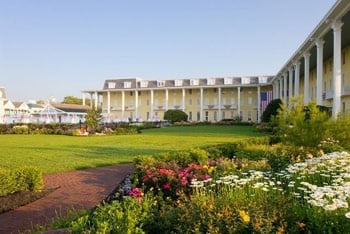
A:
75	100
93	118
302	125
271	110
175	116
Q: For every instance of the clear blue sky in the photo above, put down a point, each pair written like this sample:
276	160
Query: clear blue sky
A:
56	48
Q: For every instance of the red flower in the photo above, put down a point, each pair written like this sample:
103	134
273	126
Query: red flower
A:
166	186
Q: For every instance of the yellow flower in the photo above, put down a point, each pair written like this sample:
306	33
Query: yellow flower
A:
244	216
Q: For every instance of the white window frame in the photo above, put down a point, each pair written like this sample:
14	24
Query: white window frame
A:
211	81
228	81
111	85
127	84
194	82
178	83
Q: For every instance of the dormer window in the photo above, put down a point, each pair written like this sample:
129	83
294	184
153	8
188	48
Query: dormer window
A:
111	85
144	84
194	82
262	79
127	85
161	83
228	81
178	82
211	81
245	80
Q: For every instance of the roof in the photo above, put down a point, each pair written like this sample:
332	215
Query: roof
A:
71	107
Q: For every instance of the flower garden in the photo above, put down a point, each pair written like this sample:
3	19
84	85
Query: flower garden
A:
268	185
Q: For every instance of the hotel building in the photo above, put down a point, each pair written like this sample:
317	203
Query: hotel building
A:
319	71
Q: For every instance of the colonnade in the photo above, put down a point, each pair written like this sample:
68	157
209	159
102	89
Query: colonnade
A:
287	84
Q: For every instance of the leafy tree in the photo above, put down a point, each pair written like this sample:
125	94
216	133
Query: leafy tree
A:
302	126
93	118
271	110
75	100
175	116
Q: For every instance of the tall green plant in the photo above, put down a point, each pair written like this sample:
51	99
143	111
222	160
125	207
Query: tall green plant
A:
302	125
92	119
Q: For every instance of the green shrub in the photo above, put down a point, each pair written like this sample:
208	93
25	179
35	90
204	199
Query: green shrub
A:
126	216
302	126
271	110
175	116
22	179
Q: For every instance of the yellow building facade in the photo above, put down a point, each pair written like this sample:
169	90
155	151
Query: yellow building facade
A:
318	71
205	99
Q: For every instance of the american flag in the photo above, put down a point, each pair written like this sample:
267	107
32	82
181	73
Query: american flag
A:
265	98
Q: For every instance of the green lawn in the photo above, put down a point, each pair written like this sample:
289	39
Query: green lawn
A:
53	153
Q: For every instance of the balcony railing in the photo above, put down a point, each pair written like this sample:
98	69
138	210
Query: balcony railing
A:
329	94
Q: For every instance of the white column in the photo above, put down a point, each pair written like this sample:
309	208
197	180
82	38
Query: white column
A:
306	77
108	103
166	99
319	45
152	104
201	105
183	99
259	105
96	100
83	99
239	101
91	100
219	108
281	88
297	78
123	105
285	87
136	104
336	26
290	88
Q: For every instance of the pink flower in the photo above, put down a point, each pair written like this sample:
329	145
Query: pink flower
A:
166	186
183	181
136	192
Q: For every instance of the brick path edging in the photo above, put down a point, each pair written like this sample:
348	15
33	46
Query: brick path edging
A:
77	190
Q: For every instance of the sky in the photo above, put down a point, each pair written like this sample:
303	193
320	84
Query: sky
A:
58	48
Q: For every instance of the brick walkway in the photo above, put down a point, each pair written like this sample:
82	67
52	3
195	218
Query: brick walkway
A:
78	189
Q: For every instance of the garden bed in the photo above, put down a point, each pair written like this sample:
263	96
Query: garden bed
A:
15	200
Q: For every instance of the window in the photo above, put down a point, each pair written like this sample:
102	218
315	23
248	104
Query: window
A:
198	116
228	81
178	82
131	93
139	93
111	85
144	84
127	85
250	100
223	115
343	58
211	81
161	83
194	82
206	116
215	90
249	115
262	79
324	68
215	116
190	116
147	115
245	80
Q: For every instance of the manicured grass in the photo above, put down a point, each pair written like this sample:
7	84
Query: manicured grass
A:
52	153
